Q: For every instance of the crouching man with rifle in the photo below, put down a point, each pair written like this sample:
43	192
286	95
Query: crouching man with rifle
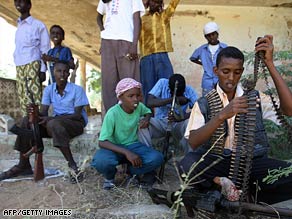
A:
69	119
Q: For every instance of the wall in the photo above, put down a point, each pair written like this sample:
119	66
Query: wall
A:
239	26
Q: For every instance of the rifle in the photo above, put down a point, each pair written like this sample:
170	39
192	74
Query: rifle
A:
38	146
213	202
168	133
73	74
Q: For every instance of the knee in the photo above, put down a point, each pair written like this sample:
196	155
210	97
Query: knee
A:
101	161
156	158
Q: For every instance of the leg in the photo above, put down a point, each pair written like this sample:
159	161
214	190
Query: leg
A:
126	68
62	130
178	132
163	66
105	162
147	75
109	73
278	191
151	159
156	129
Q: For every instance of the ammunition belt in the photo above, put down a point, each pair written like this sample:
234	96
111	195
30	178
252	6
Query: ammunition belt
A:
241	158
215	106
283	121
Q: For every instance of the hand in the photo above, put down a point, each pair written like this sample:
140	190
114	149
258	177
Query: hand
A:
47	58
229	190
237	105
42	76
266	44
144	123
132	54
44	120
134	159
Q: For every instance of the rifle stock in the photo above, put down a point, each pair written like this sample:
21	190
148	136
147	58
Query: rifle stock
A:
38	146
168	133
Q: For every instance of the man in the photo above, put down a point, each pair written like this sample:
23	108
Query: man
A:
160	97
202	126
31	41
155	43
119	38
206	56
69	119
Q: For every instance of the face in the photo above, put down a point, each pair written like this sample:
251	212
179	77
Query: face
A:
155	6
56	35
61	72
229	72
212	38
130	99
22	6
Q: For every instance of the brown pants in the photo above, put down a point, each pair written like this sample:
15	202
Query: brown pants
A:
114	67
60	129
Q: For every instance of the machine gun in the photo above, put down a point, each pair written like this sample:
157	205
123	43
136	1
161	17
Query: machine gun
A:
38	146
212	202
168	133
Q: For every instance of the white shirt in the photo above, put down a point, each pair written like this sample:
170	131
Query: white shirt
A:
31	41
119	23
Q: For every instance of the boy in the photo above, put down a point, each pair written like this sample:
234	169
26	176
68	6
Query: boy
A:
229	68
31	41
68	121
206	55
119	33
118	138
155	43
160	97
59	52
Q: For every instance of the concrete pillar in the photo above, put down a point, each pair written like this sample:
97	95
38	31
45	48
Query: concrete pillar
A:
82	64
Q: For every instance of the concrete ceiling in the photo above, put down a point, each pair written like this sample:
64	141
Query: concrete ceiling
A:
78	18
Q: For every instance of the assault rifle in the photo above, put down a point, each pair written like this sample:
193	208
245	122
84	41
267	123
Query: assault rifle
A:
38	147
168	133
213	202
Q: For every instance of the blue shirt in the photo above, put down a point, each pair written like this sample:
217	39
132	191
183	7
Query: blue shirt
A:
62	53
31	41
73	96
161	90
203	54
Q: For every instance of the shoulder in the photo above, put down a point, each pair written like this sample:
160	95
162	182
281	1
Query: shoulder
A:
223	45
38	22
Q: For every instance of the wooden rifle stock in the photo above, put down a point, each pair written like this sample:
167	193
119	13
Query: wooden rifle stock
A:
168	133
38	146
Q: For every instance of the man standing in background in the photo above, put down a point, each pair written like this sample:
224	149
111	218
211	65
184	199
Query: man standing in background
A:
119	38
206	56
31	41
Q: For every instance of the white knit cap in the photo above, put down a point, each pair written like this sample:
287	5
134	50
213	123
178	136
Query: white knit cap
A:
210	27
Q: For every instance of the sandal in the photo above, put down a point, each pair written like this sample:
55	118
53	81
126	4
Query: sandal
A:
14	172
76	176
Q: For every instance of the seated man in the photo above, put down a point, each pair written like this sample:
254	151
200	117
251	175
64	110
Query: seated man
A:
160	97
69	119
202	126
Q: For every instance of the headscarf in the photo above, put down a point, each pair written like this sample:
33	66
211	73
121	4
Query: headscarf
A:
125	85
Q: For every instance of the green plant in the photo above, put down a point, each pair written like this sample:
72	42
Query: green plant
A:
279	139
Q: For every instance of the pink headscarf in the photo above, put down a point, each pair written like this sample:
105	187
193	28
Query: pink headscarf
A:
125	85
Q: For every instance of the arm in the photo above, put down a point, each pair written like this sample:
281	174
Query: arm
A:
99	20
157	102
201	135
132	157
197	62
136	35
285	94
171	7
44	47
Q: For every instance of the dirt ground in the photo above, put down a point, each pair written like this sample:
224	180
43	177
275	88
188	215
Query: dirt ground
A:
86	199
